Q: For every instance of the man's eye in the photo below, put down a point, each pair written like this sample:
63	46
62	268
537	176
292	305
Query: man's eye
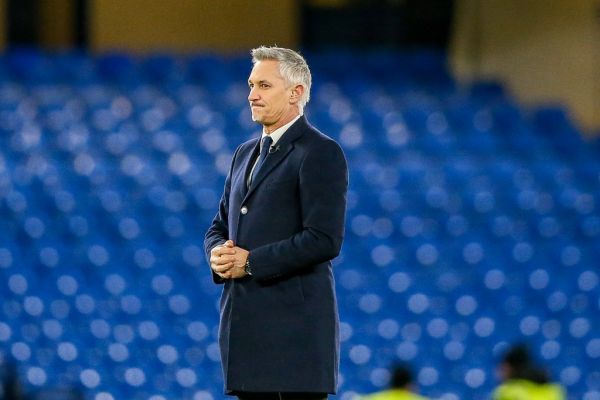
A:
264	86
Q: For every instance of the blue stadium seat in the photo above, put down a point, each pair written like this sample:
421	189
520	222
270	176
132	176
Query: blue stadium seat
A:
472	222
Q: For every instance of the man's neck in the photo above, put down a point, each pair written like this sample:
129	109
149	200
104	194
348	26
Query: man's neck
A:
268	129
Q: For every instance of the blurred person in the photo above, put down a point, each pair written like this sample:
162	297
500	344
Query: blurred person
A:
523	380
402	387
11	386
279	224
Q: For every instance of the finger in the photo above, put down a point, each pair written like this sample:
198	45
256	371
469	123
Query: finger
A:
224	250
218	249
219	260
225	259
225	275
219	267
215	260
240	250
229	243
223	267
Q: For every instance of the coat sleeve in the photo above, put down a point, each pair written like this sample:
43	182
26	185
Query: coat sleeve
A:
323	183
218	232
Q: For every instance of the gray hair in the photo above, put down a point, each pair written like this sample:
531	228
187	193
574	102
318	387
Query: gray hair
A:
292	66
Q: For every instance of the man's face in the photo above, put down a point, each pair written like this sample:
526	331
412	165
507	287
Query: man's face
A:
269	95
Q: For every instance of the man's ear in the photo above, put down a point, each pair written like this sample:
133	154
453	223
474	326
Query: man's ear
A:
296	95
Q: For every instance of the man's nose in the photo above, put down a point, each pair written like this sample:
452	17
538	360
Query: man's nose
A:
252	95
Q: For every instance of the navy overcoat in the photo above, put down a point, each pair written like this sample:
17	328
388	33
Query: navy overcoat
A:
279	327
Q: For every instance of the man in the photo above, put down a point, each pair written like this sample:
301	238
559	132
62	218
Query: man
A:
280	222
401	387
522	380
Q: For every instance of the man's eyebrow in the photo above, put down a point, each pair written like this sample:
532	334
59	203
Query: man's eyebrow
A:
259	82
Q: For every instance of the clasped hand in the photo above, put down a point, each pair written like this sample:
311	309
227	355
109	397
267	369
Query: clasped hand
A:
228	260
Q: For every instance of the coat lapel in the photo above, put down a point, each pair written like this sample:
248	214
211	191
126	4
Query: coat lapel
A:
283	147
248	168
239	187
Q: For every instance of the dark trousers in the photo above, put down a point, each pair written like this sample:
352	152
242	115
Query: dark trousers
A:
282	396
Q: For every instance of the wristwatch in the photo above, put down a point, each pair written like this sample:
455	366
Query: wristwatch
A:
247	269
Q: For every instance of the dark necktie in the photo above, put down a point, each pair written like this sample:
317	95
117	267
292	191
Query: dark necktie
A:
264	151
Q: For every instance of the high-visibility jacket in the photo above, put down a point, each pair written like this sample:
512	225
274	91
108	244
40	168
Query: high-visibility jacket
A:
522	389
394	394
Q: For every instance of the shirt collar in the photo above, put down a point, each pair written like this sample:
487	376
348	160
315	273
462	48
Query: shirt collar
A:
278	133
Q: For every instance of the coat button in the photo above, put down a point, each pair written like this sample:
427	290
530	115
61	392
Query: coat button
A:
244	210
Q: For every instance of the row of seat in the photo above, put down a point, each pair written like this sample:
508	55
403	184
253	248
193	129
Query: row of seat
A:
471	223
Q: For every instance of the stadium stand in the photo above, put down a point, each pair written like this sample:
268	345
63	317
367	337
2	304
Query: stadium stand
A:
472	223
